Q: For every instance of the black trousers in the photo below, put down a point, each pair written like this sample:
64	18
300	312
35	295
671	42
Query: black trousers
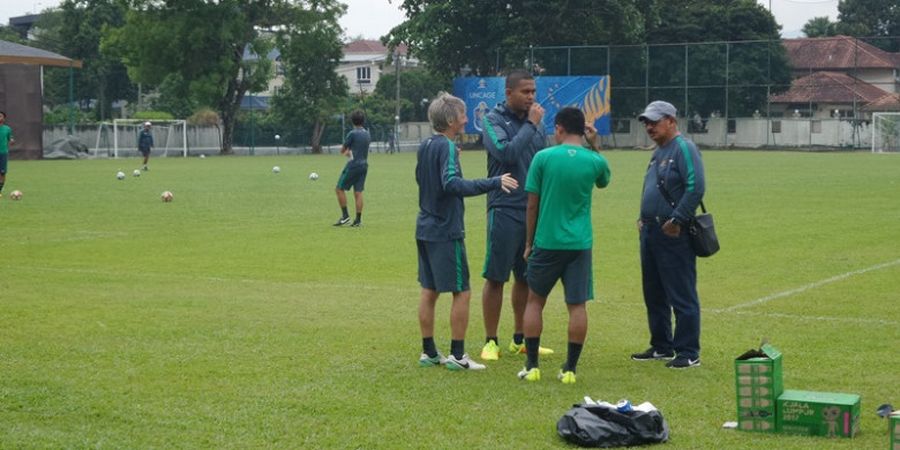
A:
669	275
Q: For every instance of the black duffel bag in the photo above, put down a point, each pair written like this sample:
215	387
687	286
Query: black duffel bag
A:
600	426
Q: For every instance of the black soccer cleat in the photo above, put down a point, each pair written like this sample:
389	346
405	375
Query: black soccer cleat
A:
342	221
652	355
682	362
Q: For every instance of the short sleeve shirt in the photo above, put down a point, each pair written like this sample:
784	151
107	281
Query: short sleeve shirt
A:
564	177
358	141
5	137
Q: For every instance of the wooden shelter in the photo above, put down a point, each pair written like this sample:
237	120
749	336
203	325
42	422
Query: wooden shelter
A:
21	94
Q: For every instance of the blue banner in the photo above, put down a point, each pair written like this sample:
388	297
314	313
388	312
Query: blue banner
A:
589	93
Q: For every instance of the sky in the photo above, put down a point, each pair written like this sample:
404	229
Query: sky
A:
374	18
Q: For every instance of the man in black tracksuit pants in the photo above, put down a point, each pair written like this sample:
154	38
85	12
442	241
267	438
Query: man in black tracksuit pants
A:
673	187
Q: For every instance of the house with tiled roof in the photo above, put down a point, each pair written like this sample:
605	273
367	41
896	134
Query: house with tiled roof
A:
365	60
835	76
362	63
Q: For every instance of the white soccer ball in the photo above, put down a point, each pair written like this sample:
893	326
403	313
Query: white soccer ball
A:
167	196
202	156
314	176
136	173
276	169
120	175
15	195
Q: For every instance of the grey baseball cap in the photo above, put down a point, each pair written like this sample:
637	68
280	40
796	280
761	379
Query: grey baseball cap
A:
657	110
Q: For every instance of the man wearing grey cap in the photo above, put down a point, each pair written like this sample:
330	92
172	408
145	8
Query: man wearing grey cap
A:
673	187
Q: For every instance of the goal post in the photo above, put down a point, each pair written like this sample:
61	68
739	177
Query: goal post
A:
168	135
886	132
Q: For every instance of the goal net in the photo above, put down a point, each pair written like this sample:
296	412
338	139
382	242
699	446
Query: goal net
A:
121	137
886	132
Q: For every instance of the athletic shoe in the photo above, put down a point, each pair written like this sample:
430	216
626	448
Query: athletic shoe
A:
490	351
533	374
342	221
356	223
567	377
682	362
427	361
463	363
145	168
650	355
520	348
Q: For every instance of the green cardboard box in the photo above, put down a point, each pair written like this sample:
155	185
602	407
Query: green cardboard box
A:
818	413
895	430
758	383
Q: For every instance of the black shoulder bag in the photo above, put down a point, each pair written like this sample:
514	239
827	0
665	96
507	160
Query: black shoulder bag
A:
701	228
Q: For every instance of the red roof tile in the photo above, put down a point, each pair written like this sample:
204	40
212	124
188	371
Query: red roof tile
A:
370	46
888	102
829	87
838	52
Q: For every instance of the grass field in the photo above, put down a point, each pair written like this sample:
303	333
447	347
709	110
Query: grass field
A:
238	317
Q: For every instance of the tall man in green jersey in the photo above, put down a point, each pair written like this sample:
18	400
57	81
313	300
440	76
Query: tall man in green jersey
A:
559	235
6	139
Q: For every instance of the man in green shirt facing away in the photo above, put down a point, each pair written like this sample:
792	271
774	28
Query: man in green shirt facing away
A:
559	235
6	140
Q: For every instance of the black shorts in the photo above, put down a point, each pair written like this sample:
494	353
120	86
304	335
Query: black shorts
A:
353	176
4	158
443	266
144	151
505	245
545	267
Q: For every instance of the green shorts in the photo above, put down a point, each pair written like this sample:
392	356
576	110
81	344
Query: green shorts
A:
443	266
546	267
353	175
505	245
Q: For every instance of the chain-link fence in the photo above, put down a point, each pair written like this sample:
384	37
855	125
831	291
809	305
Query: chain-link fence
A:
808	92
790	93
297	139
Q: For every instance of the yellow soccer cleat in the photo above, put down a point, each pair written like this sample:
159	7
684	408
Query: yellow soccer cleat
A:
520	348
490	351
533	374
567	377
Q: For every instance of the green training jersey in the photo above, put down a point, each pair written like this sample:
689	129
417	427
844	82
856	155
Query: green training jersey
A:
564	177
5	136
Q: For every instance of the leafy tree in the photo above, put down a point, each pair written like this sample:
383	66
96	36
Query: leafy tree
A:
75	30
9	34
876	18
820	27
416	85
450	35
198	47
750	65
480	34
311	50
378	108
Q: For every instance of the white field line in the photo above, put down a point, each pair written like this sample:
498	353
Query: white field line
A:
852	320
809	286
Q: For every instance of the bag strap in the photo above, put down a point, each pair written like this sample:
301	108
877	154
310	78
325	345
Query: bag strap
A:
668	197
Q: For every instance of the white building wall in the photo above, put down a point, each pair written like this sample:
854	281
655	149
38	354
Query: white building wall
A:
884	79
348	70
